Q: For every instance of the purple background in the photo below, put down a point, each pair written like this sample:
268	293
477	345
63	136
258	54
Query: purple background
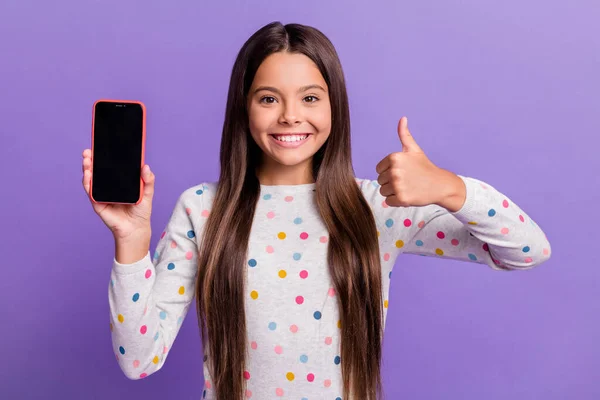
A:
504	92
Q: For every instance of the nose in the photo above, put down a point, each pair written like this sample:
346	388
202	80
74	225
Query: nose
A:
290	115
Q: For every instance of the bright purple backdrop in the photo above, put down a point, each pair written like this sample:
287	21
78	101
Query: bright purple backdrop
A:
506	92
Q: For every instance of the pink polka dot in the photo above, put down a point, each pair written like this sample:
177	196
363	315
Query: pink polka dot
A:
299	299
163	234
528	259
278	349
189	255
188	210
421	224
142	376
310	377
504	231
486	247
254	345
304	274
148	273
441	235
483	186
279	392
304	236
117	356
546	252
205	213
136	363
270	249
173	244
246	375
505	204
323	239
454	242
386	256
331	292
327	383
521	218
407	222
270	215
165	350
143	329
294	328
289	198
248	394
328	340
207	384
384	204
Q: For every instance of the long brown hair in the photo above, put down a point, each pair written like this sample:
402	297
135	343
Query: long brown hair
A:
353	252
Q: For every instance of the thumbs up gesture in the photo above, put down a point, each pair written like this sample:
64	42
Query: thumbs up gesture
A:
409	178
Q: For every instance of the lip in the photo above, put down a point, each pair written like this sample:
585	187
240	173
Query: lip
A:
289	145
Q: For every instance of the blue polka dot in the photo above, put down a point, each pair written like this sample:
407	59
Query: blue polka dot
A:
389	223
179	320
204	394
492	212
317	314
375	183
267	197
136	297
306	398
272	326
303	358
419	243
156	255
337	360
526	249
298	220
163	315
191	234
390	275
112	283
199	191
338	398
171	266
156	337
472	257
121	350
297	256
252	262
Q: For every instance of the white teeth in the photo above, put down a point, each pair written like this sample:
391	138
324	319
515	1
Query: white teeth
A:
291	138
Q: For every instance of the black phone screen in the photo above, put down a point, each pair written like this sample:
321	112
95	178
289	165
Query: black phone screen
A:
117	148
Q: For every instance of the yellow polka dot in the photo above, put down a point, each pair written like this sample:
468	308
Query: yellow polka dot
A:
399	243
281	235
385	304
439	252
340	323
378	233
254	294
289	376
155	360
120	318
472	223
181	290
282	273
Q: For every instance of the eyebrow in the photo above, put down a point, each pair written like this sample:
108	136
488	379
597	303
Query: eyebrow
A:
302	89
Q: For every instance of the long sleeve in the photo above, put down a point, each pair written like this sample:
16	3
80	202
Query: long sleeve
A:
149	299
489	229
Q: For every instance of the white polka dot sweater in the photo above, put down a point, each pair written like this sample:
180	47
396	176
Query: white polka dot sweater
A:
291	313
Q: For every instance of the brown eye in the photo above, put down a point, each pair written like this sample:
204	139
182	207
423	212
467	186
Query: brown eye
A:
314	99
267	99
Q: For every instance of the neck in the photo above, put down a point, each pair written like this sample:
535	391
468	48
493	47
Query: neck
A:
279	174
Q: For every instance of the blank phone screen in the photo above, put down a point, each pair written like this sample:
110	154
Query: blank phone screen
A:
117	148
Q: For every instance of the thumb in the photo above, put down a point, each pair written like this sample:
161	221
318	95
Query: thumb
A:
408	142
148	178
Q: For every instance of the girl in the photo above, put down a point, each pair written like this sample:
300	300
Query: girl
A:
289	256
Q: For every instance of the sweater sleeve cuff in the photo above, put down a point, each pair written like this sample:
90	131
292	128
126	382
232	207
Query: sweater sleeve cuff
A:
126	269
470	203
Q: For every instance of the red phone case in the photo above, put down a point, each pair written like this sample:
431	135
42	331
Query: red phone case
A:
143	146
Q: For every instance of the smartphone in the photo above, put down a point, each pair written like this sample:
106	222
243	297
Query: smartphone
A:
118	147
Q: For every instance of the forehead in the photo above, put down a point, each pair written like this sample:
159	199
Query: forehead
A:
284	69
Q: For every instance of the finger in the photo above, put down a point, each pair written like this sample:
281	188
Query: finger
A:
87	153
383	165
385	177
87	175
409	144
386	190
393	201
148	178
86	165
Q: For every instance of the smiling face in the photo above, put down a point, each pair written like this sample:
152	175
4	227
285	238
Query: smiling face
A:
289	116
